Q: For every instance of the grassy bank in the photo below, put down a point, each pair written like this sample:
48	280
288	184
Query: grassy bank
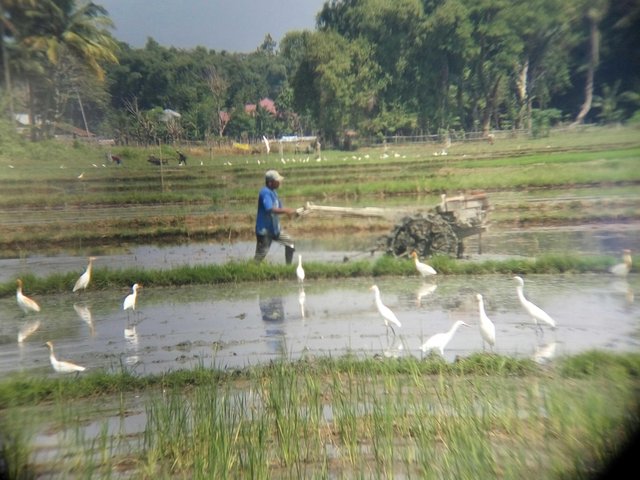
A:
481	417
236	272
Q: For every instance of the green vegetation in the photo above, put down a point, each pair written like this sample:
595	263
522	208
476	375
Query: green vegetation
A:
372	69
482	416
249	271
46	207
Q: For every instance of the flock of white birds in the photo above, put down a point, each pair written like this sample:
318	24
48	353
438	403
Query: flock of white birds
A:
28	305
437	342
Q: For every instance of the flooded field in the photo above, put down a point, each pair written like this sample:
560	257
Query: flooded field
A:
238	325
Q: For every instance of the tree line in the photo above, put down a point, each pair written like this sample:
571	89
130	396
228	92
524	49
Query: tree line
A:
370	67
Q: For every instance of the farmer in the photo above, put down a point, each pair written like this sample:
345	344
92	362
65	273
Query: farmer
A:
268	222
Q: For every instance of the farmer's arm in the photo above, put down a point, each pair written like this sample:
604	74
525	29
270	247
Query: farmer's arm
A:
283	210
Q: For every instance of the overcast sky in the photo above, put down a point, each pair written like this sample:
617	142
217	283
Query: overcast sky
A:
237	26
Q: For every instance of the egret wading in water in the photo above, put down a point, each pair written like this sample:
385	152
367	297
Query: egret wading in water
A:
25	303
487	328
300	270
131	299
62	366
85	278
423	269
440	340
389	317
535	312
623	269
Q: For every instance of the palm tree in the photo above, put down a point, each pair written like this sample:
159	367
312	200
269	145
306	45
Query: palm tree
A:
6	26
59	30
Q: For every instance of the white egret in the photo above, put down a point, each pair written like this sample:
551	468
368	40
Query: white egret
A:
423	269
300	270
440	340
535	312
25	303
623	269
62	366
85	278
487	328
130	301
388	316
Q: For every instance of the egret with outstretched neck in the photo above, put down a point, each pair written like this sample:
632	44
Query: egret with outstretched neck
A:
487	328
423	269
62	366
440	340
389	317
85	278
25	303
535	312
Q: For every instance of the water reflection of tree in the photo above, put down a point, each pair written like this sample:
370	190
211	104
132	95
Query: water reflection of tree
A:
272	313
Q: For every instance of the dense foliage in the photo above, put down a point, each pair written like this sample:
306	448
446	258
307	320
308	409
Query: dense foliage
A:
372	67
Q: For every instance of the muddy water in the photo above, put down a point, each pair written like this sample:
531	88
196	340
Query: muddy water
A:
587	240
238	325
235	326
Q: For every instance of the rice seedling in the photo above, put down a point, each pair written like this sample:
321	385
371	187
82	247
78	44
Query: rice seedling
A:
347	417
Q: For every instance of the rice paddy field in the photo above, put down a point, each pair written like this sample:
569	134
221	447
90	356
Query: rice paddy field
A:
482	415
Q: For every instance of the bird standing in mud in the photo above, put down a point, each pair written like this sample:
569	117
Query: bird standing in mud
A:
85	278
623	269
440	340
300	270
131	299
535	312
25	303
62	366
423	269
487	328
389	317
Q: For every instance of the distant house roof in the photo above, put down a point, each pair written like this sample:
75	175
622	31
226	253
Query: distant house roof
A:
269	105
22	118
266	104
65	128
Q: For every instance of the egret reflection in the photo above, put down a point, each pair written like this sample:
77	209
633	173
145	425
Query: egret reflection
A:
424	290
131	337
394	348
85	315
302	299
544	353
28	328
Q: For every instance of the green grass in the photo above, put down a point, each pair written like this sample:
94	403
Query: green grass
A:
484	416
45	205
249	271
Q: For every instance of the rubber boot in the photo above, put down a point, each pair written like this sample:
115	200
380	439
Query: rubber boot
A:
288	255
